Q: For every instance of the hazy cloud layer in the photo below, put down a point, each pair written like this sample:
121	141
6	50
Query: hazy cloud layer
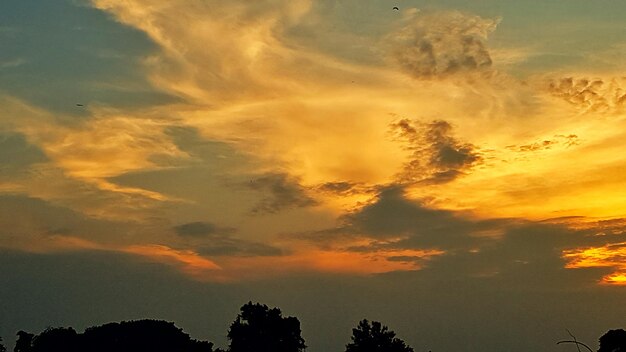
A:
212	240
200	229
442	43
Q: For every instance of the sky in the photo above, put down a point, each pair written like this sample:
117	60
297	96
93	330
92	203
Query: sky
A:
453	169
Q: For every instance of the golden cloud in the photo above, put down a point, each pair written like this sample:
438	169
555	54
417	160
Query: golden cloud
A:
607	256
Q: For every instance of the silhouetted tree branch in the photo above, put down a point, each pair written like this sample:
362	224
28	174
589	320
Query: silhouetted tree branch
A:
577	343
574	341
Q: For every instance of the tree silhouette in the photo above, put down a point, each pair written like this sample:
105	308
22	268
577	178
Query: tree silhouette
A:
2	348
261	329
24	342
613	341
141	335
56	339
132	336
375	337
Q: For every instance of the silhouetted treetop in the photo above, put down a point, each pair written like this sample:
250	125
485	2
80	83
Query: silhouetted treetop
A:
132	336
261	329
56	339
24	341
375	337
613	341
2	348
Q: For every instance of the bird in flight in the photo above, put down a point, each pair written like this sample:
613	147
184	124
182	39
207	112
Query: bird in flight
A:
79	105
396	8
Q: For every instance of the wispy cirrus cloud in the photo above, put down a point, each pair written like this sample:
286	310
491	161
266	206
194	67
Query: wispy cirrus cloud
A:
12	63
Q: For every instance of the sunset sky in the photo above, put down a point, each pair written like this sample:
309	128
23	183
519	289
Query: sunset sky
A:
454	168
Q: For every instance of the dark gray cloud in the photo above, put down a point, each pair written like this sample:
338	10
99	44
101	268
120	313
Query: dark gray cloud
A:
504	250
392	215
212	240
280	192
437	156
338	187
200	229
396	222
443	43
229	246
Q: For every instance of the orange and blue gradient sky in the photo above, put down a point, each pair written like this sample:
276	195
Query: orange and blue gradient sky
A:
454	169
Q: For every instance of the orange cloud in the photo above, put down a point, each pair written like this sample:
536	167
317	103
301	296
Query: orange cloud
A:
335	261
617	278
187	261
607	256
237	268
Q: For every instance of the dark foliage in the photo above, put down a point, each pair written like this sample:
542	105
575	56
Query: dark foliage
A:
375	337
57	339
613	341
24	342
257	328
261	329
132	336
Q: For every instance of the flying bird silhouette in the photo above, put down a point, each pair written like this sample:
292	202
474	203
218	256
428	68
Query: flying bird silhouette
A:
79	105
396	8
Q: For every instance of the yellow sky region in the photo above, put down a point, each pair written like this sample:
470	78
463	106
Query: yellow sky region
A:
553	162
608	256
324	119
